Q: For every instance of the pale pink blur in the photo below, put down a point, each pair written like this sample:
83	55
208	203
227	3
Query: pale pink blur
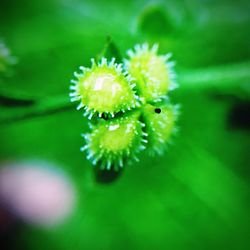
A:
36	192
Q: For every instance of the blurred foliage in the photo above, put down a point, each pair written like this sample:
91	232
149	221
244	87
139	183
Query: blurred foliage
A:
194	197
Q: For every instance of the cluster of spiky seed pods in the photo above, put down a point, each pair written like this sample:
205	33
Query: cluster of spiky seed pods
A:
127	106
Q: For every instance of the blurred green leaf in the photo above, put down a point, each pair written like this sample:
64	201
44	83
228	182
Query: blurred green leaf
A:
155	22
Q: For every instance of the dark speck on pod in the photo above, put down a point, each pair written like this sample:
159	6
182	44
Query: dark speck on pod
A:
158	110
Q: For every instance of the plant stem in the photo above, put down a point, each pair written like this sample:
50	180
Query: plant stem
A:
220	77
40	108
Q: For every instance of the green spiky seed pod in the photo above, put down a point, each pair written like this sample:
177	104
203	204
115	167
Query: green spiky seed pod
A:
115	141
160	125
154	73
104	89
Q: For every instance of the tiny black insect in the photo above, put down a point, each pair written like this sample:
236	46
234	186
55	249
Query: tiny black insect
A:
158	110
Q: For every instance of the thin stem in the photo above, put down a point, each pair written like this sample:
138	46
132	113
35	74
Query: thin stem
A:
220	77
40	108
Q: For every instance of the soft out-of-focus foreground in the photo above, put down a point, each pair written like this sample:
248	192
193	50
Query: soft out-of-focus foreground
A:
195	196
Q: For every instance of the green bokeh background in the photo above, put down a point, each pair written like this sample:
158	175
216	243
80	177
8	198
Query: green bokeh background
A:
197	195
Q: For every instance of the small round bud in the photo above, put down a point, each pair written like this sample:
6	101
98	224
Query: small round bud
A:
153	73
115	141
103	89
160	125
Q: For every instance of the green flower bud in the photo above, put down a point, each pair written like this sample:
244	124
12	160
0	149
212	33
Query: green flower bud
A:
112	142
104	89
160	125
153	73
